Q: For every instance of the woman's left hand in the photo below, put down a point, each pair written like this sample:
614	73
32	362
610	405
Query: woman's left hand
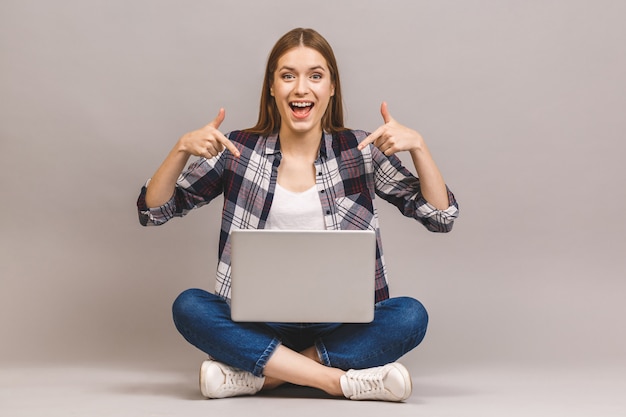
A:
392	137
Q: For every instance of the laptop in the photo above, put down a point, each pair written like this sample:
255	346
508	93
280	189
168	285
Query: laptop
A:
303	276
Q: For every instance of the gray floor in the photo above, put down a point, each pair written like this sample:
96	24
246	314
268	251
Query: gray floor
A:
496	390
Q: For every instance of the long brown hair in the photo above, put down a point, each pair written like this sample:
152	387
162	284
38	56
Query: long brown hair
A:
269	118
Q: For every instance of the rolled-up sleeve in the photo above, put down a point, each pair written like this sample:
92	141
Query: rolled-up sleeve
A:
154	216
435	220
195	187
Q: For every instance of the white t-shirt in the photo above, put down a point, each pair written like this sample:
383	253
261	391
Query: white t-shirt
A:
295	211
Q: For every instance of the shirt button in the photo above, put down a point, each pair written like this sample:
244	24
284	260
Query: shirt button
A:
327	211
323	191
319	173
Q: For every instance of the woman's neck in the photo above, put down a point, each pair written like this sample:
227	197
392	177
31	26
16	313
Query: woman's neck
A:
307	144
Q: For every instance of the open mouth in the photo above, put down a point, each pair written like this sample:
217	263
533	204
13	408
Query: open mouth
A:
301	109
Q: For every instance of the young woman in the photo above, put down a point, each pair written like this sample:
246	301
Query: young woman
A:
300	155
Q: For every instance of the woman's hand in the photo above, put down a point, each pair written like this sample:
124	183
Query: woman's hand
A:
392	137
207	141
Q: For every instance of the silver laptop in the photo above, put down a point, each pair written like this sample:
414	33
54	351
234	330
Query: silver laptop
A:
303	276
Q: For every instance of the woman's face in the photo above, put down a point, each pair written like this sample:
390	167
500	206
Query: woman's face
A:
302	89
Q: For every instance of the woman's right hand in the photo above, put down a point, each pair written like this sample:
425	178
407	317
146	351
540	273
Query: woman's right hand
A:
207	141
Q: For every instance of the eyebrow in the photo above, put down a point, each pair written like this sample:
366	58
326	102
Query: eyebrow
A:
317	67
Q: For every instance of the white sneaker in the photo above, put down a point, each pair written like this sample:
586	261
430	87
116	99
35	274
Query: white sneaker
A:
218	380
391	382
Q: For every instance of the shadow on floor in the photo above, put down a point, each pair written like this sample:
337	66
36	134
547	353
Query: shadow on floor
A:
185	387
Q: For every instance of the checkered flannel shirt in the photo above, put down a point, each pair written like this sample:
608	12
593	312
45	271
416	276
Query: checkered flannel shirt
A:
347	182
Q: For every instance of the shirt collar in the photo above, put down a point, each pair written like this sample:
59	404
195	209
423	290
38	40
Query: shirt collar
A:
326	145
271	144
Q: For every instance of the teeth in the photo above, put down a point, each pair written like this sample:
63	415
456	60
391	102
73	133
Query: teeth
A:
300	104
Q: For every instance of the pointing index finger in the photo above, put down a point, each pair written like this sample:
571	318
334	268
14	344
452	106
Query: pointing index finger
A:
221	115
371	138
229	145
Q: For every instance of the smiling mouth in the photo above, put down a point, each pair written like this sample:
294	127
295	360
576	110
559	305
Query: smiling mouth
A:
301	109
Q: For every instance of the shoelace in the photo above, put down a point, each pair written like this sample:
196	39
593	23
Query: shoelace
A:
362	383
239	381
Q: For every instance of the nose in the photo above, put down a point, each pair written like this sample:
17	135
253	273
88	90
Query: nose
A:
302	86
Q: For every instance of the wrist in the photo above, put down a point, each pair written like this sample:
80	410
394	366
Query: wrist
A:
181	147
419	146
419	151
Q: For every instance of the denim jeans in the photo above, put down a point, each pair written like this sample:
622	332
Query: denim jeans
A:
203	319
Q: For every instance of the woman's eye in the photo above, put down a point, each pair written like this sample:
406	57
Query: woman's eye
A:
316	76
287	76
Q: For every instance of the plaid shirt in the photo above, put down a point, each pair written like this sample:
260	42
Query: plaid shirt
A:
347	182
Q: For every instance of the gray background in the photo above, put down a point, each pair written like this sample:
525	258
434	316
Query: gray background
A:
521	102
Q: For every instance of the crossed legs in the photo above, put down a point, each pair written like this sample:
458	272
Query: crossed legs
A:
281	353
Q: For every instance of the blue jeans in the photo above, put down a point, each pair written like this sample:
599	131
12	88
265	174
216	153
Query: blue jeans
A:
203	319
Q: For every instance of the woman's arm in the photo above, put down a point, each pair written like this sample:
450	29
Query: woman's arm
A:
431	181
205	142
392	137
